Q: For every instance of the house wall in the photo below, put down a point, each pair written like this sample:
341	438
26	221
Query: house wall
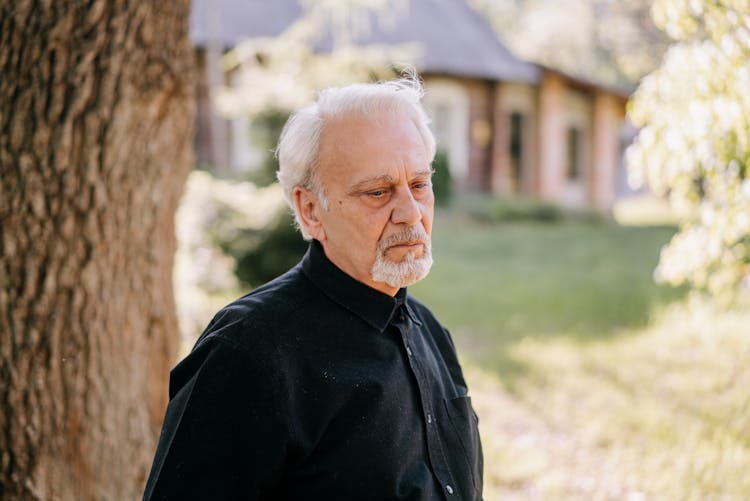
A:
500	169
598	116
463	122
202	142
552	149
481	124
447	103
608	117
577	115
472	120
510	99
212	141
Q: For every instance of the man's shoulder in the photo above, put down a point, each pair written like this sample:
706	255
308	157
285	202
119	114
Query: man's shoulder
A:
265	309
241	337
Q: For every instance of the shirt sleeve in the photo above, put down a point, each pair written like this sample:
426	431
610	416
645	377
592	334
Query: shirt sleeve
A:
224	435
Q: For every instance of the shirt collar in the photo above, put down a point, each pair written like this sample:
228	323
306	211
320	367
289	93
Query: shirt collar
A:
371	305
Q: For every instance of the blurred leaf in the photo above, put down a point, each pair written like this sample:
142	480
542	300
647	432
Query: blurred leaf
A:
285	71
694	145
612	43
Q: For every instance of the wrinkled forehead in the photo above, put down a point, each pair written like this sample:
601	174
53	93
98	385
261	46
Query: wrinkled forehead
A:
359	132
356	145
365	121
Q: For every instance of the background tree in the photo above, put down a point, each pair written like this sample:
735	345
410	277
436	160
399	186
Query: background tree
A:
614	43
316	51
96	111
694	145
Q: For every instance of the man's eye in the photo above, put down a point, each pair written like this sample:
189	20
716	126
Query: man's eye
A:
377	193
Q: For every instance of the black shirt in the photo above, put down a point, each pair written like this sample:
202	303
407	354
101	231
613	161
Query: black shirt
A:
316	386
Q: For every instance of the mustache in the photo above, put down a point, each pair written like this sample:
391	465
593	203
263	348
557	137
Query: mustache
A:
408	236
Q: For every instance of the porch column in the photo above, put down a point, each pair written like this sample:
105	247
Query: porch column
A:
500	161
608	115
551	137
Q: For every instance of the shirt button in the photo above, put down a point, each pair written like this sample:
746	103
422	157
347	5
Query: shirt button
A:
429	420
408	351
449	489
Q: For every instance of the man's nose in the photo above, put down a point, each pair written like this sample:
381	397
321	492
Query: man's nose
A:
406	208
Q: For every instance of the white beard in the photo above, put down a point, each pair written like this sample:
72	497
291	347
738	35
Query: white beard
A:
411	269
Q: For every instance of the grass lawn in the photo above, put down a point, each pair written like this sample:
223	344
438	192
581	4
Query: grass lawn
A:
497	284
590	381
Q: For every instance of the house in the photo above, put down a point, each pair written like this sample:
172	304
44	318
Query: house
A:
508	126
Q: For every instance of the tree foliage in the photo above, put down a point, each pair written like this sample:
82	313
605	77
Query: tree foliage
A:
614	43
318	50
694	145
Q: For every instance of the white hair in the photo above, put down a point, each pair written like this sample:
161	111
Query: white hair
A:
300	139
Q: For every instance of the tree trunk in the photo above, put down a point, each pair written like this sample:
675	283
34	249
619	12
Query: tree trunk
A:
96	112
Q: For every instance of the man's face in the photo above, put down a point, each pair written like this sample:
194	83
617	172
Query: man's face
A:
377	178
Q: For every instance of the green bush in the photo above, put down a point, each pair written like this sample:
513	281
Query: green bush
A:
264	134
490	209
442	184
264	254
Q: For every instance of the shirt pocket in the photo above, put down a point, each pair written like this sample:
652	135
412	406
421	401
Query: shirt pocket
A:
464	428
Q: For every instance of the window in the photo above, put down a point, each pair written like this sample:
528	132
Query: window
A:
516	148
573	169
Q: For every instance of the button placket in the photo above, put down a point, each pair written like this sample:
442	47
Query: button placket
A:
434	445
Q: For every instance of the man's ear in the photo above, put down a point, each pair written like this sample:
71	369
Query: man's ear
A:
308	208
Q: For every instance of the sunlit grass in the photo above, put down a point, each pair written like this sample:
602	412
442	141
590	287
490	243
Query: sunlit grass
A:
645	210
590	381
662	414
496	284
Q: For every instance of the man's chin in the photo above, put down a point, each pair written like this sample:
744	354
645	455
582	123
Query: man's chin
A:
402	273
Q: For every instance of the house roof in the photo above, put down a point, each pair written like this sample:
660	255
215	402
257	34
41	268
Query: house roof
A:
454	39
622	90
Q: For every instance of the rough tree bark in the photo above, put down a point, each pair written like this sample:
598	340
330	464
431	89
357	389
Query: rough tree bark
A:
96	112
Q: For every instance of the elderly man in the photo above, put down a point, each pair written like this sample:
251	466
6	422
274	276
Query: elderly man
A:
331	382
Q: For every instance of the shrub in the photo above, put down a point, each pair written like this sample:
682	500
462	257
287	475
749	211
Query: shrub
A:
274	249
694	144
442	184
489	209
264	134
